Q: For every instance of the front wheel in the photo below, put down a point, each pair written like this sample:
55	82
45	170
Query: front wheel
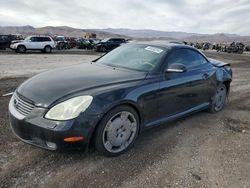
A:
219	99
103	49
21	49
117	131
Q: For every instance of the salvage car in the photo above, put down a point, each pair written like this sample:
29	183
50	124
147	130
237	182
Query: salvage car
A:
5	41
83	43
107	103
61	43
42	43
109	44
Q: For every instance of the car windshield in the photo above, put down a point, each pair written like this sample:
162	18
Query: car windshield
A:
61	39
135	57
27	38
105	40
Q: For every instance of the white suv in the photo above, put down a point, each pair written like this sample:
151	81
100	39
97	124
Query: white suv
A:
43	43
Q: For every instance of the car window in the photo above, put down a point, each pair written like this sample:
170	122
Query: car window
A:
187	57
33	39
111	40
118	40
39	39
45	39
203	60
3	37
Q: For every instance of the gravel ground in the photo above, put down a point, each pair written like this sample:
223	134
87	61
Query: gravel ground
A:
18	65
202	150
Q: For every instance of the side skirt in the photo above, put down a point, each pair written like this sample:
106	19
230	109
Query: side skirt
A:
179	115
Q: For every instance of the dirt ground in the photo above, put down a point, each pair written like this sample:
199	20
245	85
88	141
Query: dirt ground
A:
202	150
29	64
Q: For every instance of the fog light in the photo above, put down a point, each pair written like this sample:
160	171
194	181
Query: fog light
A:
51	145
73	139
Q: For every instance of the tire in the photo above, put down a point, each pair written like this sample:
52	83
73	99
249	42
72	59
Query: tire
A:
47	49
103	49
117	131
240	52
21	49
219	99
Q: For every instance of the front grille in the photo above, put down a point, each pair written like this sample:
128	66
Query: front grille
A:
22	106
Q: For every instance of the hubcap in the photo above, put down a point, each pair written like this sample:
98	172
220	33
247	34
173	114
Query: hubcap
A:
220	98
119	132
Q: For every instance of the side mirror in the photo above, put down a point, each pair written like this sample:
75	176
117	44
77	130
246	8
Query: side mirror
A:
176	68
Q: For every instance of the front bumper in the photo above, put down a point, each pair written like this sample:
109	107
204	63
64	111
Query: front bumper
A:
13	47
36	130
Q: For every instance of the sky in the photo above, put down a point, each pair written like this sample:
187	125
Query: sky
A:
198	16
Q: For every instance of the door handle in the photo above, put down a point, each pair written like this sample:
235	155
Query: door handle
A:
205	76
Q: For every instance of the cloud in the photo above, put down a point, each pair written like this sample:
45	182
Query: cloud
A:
203	16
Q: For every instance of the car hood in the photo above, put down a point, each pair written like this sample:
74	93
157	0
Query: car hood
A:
16	41
46	88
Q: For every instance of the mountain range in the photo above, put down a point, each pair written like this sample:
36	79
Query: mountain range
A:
139	34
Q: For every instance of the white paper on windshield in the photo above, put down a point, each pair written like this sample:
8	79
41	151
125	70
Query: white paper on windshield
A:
153	49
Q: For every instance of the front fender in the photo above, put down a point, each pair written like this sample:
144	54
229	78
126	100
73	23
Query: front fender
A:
224	74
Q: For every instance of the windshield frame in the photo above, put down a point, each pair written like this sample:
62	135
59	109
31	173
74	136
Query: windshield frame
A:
156	67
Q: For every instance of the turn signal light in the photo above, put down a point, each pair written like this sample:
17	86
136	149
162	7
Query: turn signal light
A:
73	139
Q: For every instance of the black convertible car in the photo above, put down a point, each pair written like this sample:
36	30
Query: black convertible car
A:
108	102
109	44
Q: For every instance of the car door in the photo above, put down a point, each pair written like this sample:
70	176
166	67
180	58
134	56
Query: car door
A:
40	43
32	43
183	91
111	44
44	42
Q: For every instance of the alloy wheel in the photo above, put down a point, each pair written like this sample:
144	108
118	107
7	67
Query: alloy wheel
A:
119	132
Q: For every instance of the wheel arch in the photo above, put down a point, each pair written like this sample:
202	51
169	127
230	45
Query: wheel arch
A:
227	84
123	103
47	45
21	45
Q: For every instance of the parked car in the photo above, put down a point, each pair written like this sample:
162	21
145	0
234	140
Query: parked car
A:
235	47
109	44
206	45
43	43
5	41
247	48
61	43
108	102
94	40
83	43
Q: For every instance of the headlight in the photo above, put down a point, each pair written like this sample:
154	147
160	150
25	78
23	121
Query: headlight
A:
69	109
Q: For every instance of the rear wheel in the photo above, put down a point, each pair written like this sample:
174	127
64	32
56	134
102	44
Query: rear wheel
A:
21	49
47	49
117	131
219	99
